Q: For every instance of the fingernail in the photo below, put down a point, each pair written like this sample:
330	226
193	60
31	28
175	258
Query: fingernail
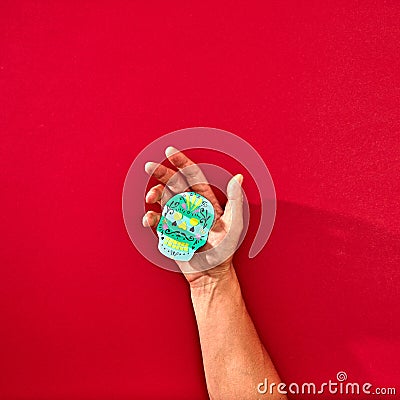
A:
170	150
239	178
147	197
150	166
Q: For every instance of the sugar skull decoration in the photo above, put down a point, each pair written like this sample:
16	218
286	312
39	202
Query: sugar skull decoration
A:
184	225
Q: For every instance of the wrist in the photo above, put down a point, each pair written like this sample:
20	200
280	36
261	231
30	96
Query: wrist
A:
208	281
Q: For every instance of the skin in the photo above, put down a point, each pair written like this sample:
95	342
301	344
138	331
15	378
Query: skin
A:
235	361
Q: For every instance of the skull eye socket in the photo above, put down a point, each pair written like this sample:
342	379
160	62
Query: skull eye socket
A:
193	221
177	216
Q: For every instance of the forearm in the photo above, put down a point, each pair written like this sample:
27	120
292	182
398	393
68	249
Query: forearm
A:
235	361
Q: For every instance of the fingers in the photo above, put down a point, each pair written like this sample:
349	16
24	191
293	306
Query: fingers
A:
233	214
151	219
174	180
154	194
158	194
194	176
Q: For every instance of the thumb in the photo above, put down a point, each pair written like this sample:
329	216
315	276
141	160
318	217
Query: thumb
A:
233	214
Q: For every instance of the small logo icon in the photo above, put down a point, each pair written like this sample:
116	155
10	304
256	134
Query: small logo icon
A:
341	376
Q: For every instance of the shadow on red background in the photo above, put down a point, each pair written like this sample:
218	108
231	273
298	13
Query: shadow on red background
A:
341	276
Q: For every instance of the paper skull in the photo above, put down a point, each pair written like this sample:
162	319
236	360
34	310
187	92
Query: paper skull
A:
184	225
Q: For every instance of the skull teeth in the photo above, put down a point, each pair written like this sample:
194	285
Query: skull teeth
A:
175	244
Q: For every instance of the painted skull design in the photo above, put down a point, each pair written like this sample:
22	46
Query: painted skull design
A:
184	225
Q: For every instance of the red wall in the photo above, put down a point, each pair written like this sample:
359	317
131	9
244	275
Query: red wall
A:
314	87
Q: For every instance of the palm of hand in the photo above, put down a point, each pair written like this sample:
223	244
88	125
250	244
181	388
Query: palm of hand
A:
214	258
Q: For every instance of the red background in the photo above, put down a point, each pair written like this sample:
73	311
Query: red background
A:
313	86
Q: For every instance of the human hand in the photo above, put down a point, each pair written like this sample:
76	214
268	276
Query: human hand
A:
213	261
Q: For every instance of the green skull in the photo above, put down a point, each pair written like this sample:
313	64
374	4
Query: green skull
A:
184	225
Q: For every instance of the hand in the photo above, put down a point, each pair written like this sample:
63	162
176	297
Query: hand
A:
213	261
